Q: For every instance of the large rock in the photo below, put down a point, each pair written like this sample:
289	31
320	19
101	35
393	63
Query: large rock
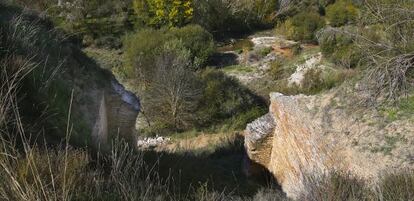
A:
305	135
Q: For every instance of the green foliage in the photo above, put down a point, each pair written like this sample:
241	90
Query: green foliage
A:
315	81
278	70
297	49
153	60
173	95
160	13
95	22
294	7
404	108
342	12
140	54
265	51
221	17
198	41
302	27
240	121
339	47
244	44
407	105
142	49
220	102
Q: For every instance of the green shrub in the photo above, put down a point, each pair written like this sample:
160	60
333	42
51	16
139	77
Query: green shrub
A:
302	27
407	105
223	98
315	81
140	51
342	12
278	70
198	41
297	49
91	20
339	47
240	121
244	44
143	48
265	51
222	17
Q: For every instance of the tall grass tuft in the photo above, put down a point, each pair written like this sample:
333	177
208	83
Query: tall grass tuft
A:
339	186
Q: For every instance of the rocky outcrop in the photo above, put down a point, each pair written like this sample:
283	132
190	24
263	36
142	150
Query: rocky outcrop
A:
102	108
312	63
117	115
287	143
306	135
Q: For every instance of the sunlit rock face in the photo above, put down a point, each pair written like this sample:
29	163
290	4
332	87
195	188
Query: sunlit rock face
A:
289	144
304	136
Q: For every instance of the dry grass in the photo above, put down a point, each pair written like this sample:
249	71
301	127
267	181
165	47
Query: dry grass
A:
340	186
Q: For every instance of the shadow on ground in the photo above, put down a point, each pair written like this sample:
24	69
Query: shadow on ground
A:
221	171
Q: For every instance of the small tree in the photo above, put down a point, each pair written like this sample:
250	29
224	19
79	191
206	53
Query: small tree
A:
173	96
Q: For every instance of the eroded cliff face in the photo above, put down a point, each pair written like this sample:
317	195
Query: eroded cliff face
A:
102	108
115	117
305	135
288	144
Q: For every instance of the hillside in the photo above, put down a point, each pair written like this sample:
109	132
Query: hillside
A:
244	100
59	82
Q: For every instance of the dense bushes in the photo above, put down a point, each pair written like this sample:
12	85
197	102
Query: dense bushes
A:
94	22
341	13
94	19
198	41
143	48
224	16
215	16
339	47
223	98
302	27
140	51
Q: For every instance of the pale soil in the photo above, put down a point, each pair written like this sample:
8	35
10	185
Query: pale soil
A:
280	49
